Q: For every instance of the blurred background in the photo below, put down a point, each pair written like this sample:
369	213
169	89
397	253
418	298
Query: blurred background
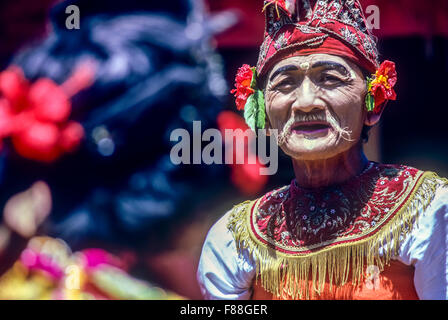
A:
92	181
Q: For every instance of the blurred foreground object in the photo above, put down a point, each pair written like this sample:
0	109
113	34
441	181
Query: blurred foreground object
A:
48	269
25	211
23	216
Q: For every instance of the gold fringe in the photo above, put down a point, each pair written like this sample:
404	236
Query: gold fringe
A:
280	273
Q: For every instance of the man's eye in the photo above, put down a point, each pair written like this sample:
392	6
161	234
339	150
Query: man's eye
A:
285	84
329	79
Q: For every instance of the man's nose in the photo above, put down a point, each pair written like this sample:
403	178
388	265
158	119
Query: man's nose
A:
306	97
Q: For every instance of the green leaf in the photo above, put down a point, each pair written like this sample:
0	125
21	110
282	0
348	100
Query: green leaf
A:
254	111
261	111
370	102
250	110
253	82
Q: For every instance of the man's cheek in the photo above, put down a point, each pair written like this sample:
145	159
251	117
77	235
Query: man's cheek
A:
346	106
280	113
275	115
341	97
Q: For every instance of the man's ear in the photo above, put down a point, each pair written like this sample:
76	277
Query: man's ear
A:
373	118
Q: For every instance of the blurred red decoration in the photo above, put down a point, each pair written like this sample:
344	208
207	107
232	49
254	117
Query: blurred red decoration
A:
35	115
246	177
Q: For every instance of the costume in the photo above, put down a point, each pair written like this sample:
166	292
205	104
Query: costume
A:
328	243
379	235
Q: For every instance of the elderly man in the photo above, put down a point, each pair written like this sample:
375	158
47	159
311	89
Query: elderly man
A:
346	227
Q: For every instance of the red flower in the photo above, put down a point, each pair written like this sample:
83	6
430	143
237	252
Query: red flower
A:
243	89
382	86
35	116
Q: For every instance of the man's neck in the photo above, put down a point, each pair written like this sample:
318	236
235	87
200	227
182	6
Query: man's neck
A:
331	171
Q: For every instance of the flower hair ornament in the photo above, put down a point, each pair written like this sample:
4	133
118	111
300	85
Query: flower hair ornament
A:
380	87
249	98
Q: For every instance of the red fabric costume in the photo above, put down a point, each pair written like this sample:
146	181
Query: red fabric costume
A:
329	239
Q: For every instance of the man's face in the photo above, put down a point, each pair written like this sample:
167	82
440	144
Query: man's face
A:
316	103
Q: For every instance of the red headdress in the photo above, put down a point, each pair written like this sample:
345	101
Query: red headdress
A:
303	27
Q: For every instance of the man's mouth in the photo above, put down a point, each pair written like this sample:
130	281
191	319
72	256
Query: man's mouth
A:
310	127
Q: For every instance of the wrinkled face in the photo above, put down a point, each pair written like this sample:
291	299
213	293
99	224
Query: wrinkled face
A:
316	103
